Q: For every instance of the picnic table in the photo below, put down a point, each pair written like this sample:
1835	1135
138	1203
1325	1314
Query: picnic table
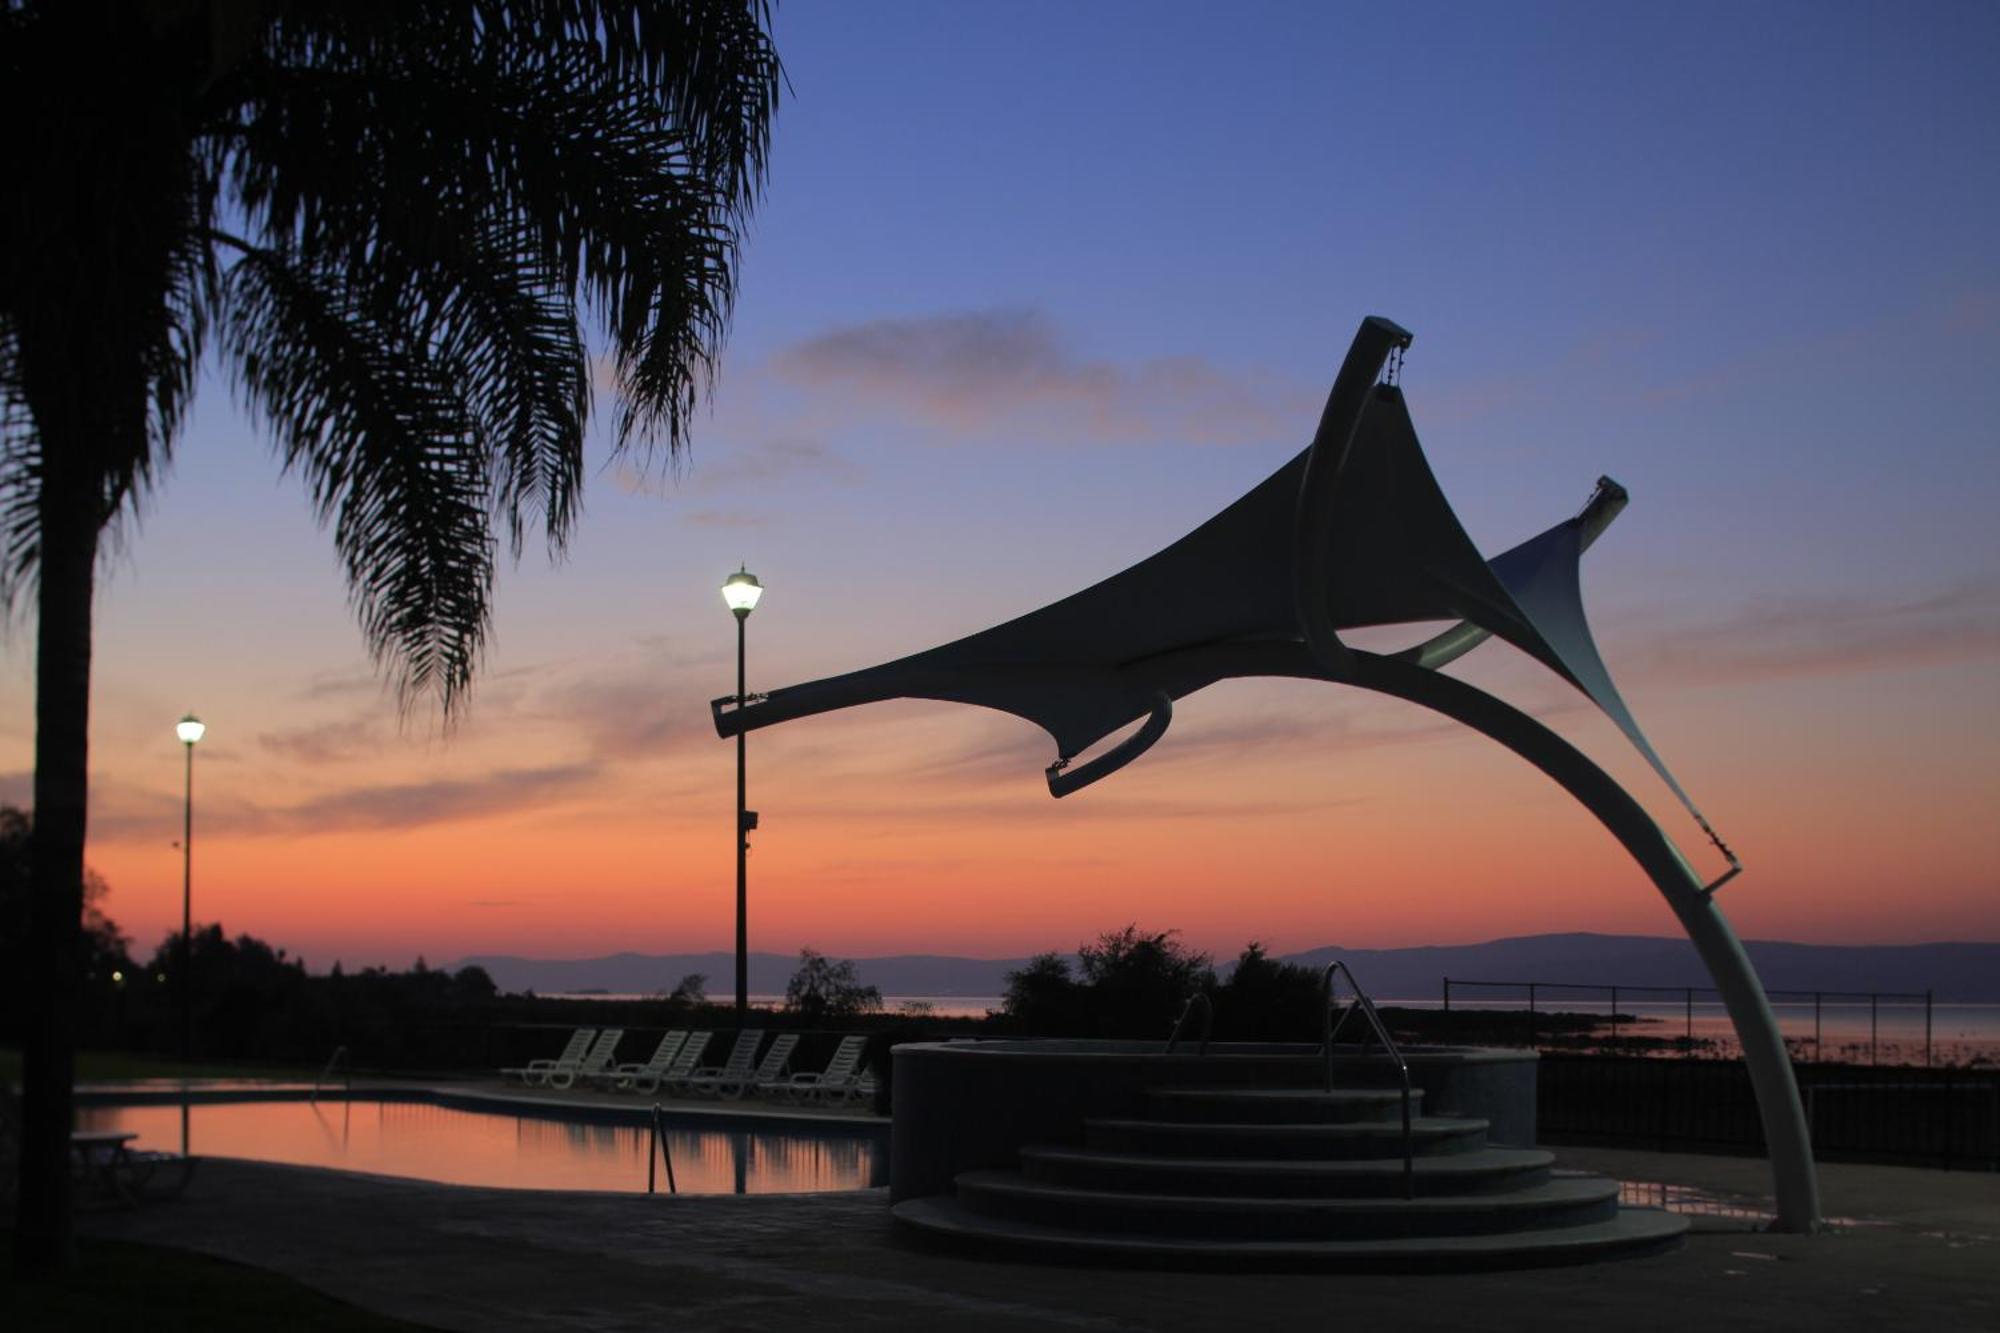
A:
107	1166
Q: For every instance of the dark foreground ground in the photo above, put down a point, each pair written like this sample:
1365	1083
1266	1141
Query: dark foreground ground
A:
1922	1253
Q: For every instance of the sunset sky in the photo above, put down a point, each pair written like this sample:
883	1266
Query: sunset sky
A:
1035	289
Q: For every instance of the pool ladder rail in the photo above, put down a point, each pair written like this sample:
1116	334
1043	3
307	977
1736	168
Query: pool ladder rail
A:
326	1074
657	1151
1395	1056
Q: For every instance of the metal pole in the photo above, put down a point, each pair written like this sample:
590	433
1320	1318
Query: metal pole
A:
187	909
742	853
1927	1028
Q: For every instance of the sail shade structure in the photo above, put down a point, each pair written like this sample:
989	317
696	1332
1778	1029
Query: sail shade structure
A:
1368	538
1128	647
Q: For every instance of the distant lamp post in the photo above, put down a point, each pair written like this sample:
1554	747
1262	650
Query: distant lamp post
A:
740	592
190	730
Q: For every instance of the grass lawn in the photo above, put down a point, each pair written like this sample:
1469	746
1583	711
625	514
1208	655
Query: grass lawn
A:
120	1285
111	1066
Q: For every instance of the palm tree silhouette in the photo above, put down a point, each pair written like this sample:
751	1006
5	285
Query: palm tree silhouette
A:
393	222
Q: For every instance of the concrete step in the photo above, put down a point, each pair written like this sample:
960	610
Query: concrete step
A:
1280	1106
1485	1171
1631	1230
1429	1136
1567	1201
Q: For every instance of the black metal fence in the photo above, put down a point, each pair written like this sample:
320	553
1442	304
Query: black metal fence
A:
1537	997
1896	1114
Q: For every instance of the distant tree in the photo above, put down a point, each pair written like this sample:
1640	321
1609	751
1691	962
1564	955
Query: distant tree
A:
690	990
104	949
473	981
1267	999
249	998
1138	983
825	990
1044	999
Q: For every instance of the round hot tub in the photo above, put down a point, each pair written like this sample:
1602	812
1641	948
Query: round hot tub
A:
961	1105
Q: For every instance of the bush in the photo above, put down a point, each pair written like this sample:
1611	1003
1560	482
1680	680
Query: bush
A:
1268	1000
1130	985
823	990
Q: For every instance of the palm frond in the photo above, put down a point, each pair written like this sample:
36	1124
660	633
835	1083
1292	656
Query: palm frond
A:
395	144
390	452
20	481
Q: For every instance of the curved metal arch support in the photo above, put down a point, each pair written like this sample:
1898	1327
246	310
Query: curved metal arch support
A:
1786	1135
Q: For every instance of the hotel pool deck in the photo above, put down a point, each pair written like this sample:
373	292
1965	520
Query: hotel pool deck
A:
1916	1249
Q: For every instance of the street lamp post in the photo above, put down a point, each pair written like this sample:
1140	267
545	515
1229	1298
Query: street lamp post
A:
740	592
190	730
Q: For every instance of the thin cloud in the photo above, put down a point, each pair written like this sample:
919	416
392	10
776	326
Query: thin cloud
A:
984	371
410	805
717	518
1826	636
325	742
122	813
340	684
765	465
629	715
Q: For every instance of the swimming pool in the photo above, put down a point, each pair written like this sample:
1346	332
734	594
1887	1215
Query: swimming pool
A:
456	1145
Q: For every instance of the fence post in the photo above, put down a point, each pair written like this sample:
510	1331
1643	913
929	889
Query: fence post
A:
1927	1028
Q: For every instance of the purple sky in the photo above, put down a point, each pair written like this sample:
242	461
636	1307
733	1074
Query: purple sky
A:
1036	288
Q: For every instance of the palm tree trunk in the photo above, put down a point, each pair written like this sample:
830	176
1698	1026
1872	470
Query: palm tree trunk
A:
71	519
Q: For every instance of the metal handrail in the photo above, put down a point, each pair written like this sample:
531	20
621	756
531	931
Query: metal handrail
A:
1198	1004
658	1151
1332	1030
327	1073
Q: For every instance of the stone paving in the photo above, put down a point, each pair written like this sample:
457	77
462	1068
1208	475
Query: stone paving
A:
1922	1252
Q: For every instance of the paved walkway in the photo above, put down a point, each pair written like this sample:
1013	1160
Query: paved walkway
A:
1925	1254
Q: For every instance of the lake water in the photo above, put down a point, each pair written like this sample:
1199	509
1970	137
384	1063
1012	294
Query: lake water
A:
458	1147
1960	1034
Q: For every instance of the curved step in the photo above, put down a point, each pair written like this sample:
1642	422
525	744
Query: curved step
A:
1567	1201
1633	1229
1484	1171
1280	1106
1429	1135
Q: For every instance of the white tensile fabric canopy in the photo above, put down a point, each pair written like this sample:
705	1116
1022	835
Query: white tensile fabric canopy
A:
1094	662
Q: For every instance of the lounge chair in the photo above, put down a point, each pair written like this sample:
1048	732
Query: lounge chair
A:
771	1067
623	1076
592	1064
677	1071
737	1069
834	1083
537	1071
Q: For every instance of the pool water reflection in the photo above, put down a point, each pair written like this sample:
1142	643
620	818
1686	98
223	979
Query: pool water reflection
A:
459	1147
